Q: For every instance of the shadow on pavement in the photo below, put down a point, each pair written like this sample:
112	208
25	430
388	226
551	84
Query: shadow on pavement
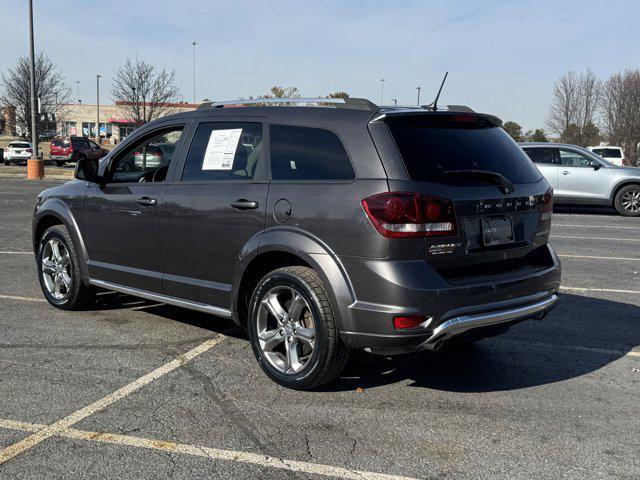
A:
586	210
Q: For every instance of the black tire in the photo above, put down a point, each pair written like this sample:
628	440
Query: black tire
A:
60	163
79	295
329	354
634	208
7	162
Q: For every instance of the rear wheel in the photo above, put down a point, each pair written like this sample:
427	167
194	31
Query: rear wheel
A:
293	331
7	162
627	201
60	163
59	271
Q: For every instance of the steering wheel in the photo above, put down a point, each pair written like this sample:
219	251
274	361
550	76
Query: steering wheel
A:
160	174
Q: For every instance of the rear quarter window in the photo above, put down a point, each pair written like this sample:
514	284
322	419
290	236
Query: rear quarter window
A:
431	145
303	153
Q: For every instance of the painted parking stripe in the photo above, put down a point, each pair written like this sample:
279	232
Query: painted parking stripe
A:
626	259
22	299
208	452
589	289
624	227
65	423
16	253
597	238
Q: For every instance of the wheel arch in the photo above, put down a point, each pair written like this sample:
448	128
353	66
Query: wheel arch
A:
287	247
619	186
55	212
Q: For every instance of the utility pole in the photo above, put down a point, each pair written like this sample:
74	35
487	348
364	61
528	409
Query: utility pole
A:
395	102
381	91
78	89
418	89
98	77
32	58
194	43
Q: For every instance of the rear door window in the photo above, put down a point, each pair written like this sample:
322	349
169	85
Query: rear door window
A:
303	153
543	156
432	145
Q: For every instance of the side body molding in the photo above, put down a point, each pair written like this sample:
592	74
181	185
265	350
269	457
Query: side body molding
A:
310	249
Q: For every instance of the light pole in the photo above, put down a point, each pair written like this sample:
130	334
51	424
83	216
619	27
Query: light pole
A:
418	89
395	102
194	43
78	90
32	58
98	77
381	90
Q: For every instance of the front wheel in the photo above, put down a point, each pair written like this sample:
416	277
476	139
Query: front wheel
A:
59	271
627	201
293	331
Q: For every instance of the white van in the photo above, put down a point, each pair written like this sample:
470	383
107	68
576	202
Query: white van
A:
610	153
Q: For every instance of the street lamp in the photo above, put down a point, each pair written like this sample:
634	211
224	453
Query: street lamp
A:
32	80
395	102
418	89
78	90
194	70
381	90
98	77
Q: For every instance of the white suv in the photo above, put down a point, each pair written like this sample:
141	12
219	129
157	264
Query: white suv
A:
610	153
18	152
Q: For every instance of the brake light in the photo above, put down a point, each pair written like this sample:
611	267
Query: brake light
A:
29	150
624	162
402	214
464	118
547	206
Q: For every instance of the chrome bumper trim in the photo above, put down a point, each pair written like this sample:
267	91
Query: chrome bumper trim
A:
456	326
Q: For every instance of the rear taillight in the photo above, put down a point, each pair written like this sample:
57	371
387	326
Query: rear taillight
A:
29	150
624	162
411	321
547	206
401	214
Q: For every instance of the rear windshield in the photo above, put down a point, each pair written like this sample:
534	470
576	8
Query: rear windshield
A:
431	145
60	143
608	152
18	145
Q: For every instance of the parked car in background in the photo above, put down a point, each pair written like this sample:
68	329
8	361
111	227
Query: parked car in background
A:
611	154
317	229
63	150
579	176
154	156
17	152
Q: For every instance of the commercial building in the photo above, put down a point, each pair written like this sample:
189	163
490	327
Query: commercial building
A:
115	123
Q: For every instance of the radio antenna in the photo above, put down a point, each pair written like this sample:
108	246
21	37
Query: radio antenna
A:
434	104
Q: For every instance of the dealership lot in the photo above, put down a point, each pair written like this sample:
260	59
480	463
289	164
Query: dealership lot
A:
100	393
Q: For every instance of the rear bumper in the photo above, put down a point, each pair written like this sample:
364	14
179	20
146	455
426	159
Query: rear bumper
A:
451	311
61	158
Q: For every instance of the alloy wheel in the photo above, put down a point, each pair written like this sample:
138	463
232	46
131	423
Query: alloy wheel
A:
286	329
56	269
631	201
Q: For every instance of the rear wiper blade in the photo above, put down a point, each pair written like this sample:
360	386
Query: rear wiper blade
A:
487	176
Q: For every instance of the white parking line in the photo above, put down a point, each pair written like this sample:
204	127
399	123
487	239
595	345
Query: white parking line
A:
22	299
612	239
63	424
207	452
16	253
626	259
589	289
624	227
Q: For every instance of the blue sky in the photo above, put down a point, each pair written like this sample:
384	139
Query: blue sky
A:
503	56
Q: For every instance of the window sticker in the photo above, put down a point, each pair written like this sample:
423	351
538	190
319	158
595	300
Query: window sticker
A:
221	149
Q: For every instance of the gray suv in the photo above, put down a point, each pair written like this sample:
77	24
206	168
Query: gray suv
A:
317	228
580	177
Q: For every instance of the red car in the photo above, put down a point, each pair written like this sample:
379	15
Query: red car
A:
72	149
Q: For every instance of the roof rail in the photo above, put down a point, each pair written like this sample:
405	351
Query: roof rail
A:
355	103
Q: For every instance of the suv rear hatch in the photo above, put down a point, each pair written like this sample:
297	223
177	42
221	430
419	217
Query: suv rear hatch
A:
480	207
61	147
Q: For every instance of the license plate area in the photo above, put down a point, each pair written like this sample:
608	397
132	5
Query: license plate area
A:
496	231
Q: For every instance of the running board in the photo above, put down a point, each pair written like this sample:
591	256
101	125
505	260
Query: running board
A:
158	297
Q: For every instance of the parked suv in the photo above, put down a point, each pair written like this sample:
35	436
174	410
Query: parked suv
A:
17	152
581	177
63	150
319	229
611	154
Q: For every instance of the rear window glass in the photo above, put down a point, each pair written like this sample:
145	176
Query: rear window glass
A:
540	155
60	143
18	145
303	153
432	145
608	152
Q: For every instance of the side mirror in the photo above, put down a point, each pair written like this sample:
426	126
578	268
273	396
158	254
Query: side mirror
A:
595	165
87	169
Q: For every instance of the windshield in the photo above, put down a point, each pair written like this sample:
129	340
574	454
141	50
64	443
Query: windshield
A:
433	145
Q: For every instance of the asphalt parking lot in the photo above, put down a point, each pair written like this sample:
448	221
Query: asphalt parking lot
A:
100	394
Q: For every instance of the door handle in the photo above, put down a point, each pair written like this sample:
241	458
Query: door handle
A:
243	204
147	201
566	172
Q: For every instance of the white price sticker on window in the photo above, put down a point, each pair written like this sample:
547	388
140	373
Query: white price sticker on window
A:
221	149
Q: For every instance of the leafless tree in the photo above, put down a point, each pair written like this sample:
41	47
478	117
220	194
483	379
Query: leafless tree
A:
621	111
143	91
564	106
51	91
589	91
